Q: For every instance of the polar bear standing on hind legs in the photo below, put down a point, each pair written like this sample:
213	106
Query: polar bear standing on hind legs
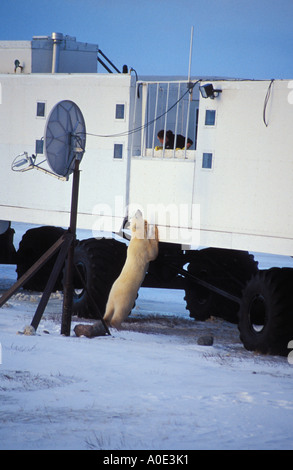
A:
143	248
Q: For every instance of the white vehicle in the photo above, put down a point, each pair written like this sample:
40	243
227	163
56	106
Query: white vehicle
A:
227	195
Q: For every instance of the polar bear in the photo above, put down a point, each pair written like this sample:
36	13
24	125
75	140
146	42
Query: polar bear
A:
143	248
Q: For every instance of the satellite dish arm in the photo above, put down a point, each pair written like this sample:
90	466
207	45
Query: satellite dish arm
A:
23	162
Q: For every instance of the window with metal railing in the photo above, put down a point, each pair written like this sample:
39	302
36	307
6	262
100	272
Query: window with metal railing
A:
172	108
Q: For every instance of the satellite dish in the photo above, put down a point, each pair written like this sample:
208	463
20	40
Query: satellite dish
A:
65	137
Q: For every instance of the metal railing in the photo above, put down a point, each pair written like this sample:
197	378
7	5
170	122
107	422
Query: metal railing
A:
164	105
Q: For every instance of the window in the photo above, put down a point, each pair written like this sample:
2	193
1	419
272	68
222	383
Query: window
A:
41	107
207	160
119	111
39	146
118	150
210	118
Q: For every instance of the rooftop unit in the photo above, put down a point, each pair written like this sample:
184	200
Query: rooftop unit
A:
48	54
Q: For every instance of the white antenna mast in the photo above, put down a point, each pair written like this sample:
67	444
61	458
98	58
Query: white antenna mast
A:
190	53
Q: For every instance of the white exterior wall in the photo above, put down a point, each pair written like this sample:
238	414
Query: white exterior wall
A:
243	202
34	197
246	198
162	189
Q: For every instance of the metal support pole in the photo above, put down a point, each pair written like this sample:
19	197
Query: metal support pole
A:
68	286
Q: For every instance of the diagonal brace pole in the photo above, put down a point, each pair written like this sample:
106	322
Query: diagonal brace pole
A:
52	279
32	270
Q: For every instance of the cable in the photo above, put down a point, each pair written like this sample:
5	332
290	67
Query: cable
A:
137	129
266	102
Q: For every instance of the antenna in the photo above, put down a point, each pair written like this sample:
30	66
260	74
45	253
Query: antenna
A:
190	53
189	84
65	137
64	142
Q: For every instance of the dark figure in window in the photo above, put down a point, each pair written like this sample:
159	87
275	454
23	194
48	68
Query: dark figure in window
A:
170	139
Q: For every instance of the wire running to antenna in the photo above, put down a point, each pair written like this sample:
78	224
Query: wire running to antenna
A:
144	126
266	102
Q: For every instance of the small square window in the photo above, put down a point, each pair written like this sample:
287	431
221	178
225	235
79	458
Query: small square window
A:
210	117
39	146
207	160
41	109
119	111
118	150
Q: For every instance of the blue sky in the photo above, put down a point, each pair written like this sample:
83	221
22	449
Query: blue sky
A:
232	38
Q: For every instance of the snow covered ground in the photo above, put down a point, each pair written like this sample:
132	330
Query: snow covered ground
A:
149	386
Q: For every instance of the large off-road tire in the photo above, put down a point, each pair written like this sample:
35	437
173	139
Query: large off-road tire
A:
99	262
228	270
7	250
33	245
266	312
